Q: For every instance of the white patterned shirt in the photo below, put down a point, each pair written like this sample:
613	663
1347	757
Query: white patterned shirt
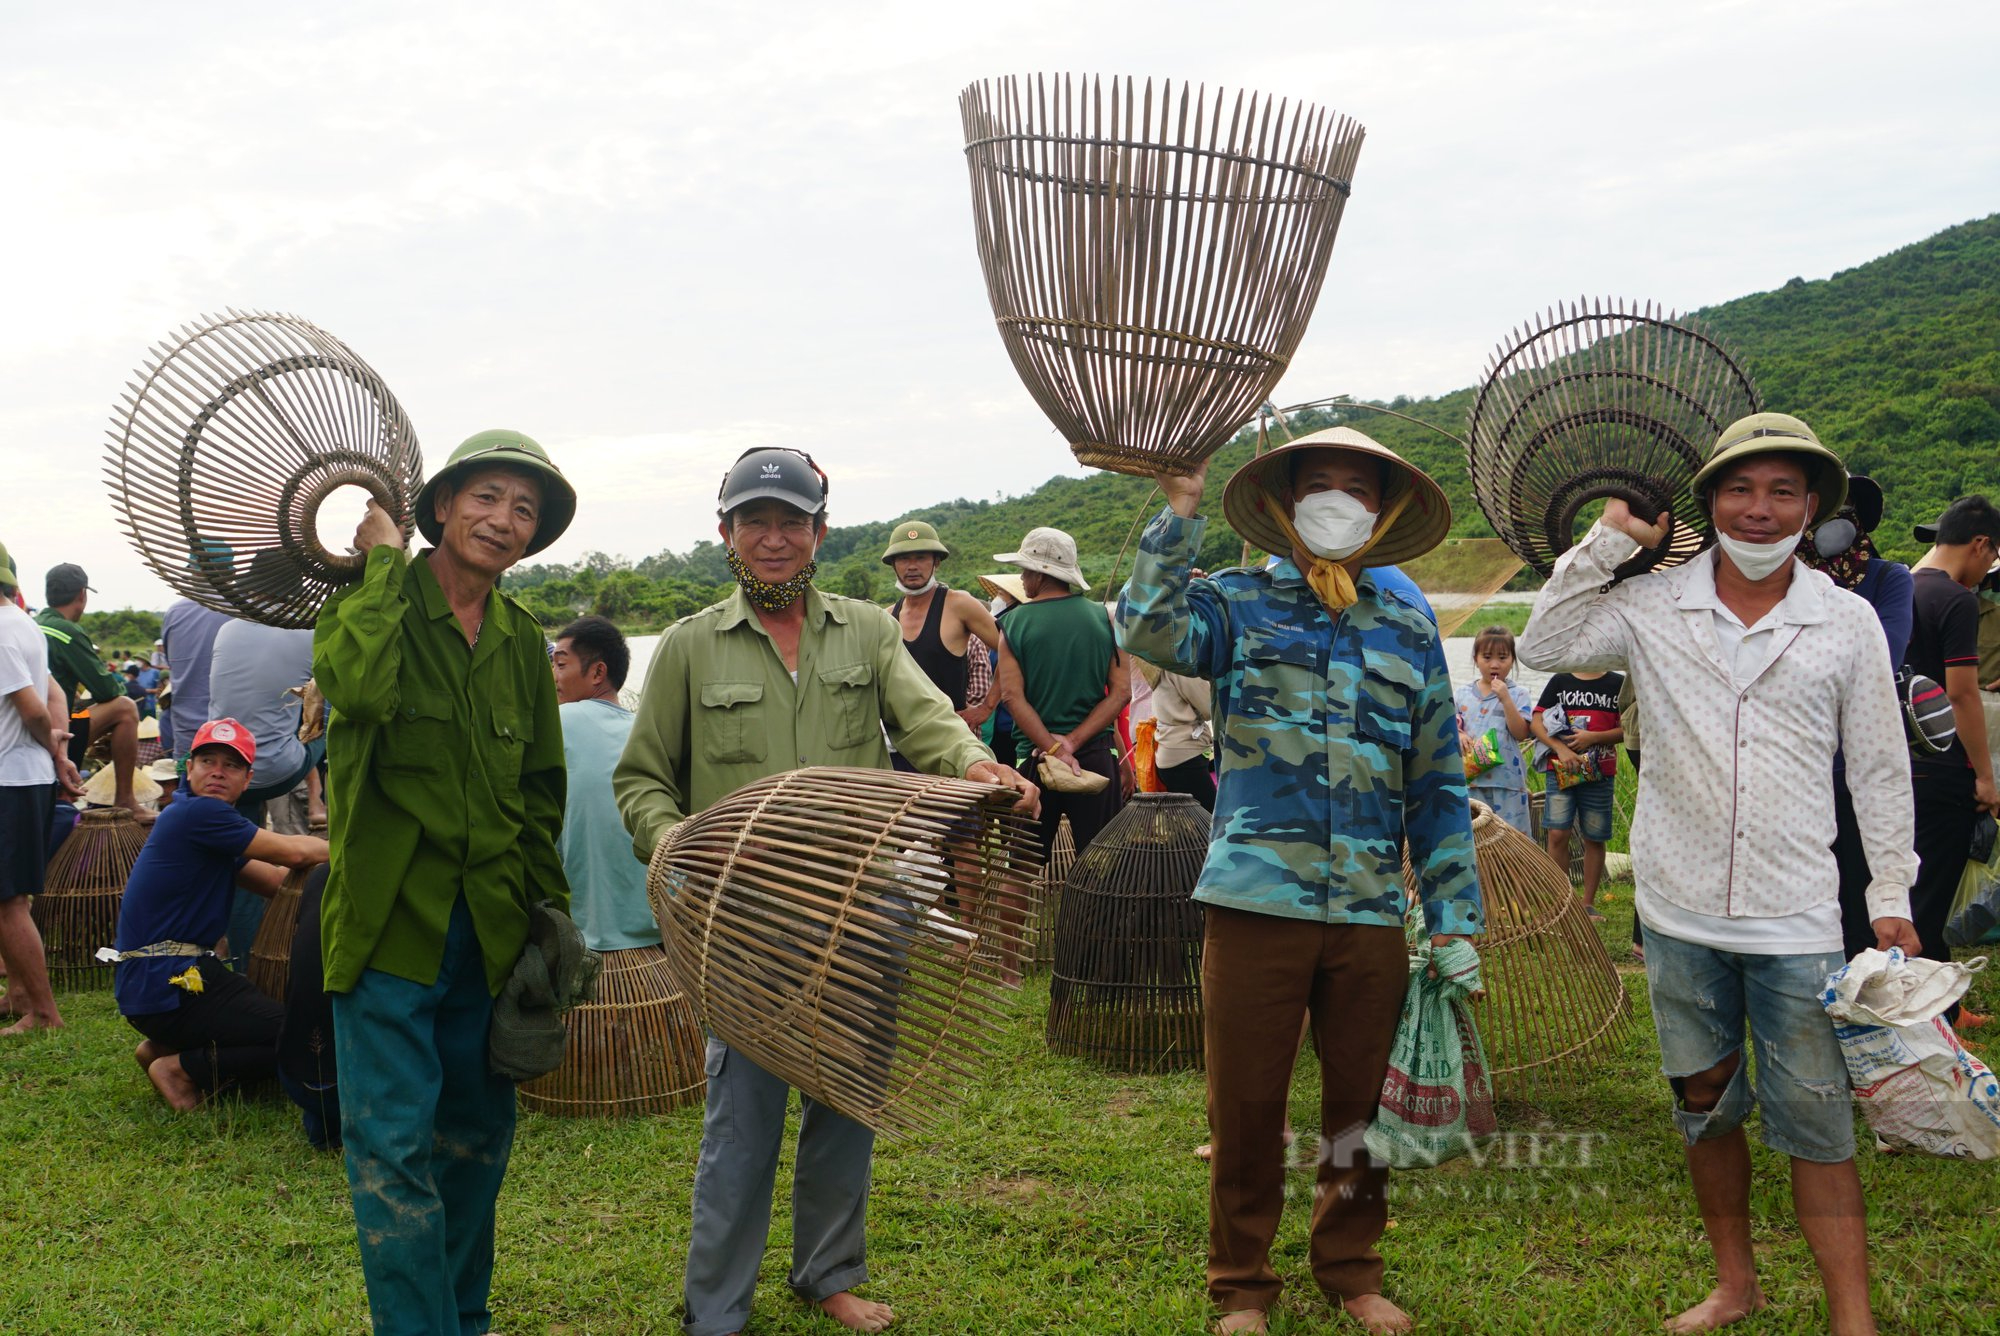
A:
1735	810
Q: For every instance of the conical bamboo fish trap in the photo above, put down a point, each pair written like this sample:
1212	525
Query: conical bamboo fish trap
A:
1553	998
271	953
77	911
1126	993
236	431
1152	255
1062	856
636	1048
842	927
1601	399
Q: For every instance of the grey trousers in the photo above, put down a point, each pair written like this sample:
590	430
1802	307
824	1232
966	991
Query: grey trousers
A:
742	1129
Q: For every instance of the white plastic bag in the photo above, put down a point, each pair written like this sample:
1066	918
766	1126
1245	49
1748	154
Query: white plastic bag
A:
1916	1084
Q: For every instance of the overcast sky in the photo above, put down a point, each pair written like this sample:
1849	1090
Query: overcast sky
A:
653	235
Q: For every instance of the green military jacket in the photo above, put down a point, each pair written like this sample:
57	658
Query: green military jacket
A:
720	710
74	661
444	775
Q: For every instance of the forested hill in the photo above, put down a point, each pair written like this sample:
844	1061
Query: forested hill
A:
1896	363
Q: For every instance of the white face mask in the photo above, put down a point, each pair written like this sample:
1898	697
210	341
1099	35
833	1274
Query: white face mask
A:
1757	560
1333	525
999	605
920	590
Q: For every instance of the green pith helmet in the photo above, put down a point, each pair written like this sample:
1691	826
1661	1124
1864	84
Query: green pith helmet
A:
914	536
1778	433
7	576
490	448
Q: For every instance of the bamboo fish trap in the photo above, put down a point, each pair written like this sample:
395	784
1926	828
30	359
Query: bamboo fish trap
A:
1152	254
235	432
1126	993
77	911
842	928
1062	856
1600	399
270	964
1553	998
636	1048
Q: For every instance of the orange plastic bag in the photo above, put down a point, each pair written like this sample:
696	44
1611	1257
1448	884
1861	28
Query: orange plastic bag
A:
1145	748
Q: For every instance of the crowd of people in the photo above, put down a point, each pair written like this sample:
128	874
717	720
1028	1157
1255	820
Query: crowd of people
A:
469	773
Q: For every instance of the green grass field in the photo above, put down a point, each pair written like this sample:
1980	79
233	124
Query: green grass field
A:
1061	1199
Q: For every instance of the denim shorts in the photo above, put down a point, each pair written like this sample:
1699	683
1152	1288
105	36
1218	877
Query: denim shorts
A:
1586	805
1701	1000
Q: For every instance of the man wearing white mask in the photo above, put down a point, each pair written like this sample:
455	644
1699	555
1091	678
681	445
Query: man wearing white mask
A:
1337	741
1755	671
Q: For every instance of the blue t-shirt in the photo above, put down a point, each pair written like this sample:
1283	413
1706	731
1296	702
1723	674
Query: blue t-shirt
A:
607	885
1479	714
179	891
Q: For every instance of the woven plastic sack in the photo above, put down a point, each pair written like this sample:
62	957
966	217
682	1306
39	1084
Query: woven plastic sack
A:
1915	1082
1437	1103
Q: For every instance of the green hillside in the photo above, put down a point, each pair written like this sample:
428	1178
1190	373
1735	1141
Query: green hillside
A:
1896	363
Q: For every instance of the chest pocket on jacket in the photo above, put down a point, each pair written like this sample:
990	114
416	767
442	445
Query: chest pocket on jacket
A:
1386	700
1280	675
851	716
512	732
732	722
418	739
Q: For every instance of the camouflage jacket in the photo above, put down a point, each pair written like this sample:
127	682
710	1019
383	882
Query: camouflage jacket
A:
1337	738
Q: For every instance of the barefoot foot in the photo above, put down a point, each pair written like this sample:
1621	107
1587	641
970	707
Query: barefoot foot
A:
151	1051
141	813
176	1087
32	1022
1242	1320
855	1313
1719	1309
1377	1315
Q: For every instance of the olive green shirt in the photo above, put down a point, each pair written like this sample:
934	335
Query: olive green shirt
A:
720	710
74	661
444	775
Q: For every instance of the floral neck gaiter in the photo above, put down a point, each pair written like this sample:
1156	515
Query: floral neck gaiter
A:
762	593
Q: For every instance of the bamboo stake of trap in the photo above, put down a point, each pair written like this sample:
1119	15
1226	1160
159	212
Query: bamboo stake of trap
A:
77	911
635	1048
233	434
1062	856
1601	399
1152	254
270	964
1553	998
842	928
1126	992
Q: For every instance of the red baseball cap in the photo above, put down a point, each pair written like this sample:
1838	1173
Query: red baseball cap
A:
226	733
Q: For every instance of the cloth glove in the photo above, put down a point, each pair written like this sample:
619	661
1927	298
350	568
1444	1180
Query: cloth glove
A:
556	971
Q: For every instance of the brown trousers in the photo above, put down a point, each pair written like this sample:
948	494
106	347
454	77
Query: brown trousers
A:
1259	974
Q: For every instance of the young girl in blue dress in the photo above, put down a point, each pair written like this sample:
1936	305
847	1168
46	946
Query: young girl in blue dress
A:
1496	702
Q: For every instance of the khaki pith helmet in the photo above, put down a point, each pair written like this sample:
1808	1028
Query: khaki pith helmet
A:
1778	433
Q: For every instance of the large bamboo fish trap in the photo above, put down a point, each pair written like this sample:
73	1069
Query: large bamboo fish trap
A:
1152	254
1062	857
270	964
636	1048
1554	1001
1601	399
1126	993
843	929
235	433
77	911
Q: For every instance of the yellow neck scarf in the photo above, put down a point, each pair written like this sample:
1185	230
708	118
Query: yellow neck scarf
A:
1327	578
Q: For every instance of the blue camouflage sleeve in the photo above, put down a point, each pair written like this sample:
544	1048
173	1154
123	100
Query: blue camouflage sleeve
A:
1437	814
1166	617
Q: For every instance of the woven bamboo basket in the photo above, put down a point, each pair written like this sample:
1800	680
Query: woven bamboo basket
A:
1126	993
1062	856
1152	254
236	431
77	911
1594	400
842	928
636	1048
271	953
1554	1000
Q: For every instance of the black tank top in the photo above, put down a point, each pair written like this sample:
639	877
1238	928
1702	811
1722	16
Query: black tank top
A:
940	665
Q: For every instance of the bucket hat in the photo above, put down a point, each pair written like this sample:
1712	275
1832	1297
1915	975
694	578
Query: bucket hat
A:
487	449
914	536
1778	433
1047	552
1253	494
